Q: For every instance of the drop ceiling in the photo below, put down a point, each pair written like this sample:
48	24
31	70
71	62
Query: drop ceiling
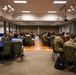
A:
37	7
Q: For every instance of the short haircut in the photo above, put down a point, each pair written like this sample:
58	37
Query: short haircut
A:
15	36
72	36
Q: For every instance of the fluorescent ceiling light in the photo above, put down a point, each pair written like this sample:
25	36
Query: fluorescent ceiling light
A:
52	11
25	11
18	1
60	2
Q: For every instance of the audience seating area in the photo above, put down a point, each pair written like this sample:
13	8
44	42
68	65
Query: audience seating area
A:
57	42
13	47
69	51
11	44
69	55
11	50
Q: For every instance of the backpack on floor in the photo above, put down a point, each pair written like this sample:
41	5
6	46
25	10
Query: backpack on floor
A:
59	64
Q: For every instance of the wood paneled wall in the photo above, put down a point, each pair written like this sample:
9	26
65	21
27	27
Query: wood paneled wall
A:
41	28
28	29
49	29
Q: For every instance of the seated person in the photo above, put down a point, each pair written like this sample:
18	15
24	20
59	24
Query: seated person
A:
58	44
10	35
29	40
32	35
71	42
75	38
16	39
48	38
5	37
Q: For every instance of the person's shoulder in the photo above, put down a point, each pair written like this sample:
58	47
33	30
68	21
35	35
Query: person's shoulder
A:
75	43
58	38
14	39
67	42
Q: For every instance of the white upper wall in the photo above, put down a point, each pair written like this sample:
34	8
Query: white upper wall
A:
1	29
42	17
36	17
12	28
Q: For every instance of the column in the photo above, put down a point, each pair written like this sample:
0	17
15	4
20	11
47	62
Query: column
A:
9	27
4	26
38	29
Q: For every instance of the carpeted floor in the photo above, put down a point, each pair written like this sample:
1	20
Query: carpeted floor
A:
37	62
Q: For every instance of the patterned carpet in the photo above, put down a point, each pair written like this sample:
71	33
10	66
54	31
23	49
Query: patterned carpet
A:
35	62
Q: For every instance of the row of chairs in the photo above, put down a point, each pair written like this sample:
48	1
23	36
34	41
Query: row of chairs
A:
28	41
44	40
11	49
69	54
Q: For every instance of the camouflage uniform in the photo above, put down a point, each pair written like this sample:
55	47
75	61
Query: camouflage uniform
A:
75	39
67	38
52	40
58	44
71	43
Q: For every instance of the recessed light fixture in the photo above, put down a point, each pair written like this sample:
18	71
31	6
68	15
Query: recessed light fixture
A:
20	1
60	2
52	11
25	11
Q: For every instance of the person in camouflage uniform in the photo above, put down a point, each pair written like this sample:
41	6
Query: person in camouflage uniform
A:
58	44
75	38
71	42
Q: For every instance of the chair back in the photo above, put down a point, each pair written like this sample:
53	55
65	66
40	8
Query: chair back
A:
28	39
53	46
17	47
52	41
7	48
